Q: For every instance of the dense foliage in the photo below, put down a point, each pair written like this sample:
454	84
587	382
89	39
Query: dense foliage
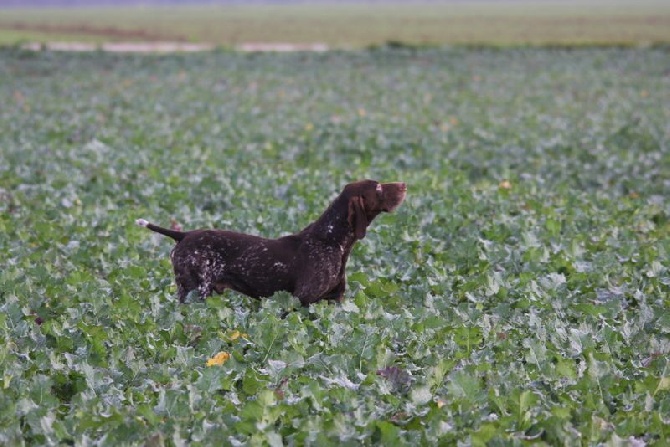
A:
520	293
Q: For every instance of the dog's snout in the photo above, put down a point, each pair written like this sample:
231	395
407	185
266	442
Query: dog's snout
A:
400	186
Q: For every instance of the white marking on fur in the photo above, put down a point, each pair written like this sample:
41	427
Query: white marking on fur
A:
142	222
379	187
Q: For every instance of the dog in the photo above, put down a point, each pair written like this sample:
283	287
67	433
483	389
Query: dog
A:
309	264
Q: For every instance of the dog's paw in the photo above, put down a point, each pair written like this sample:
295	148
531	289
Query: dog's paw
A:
142	222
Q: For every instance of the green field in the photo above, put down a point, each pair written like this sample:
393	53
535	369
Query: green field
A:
520	295
345	25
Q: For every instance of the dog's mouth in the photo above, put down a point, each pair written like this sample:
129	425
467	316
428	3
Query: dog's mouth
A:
391	207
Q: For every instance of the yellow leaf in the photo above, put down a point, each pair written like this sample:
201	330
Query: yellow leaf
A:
505	184
218	359
237	334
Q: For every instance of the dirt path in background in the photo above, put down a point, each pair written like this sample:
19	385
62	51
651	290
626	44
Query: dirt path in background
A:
112	33
169	47
121	47
140	41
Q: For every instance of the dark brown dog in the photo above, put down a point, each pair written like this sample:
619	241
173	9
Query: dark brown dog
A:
309	264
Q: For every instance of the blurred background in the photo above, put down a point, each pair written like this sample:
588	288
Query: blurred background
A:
318	25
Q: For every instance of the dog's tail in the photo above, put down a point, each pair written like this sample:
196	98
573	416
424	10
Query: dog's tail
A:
176	235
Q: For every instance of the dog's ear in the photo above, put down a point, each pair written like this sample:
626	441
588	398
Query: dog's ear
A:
357	218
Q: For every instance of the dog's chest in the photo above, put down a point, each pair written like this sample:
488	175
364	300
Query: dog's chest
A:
325	258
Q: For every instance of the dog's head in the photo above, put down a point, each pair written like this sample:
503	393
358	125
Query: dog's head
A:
368	198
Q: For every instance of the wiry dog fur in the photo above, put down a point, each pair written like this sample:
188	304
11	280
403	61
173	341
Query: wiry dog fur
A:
309	264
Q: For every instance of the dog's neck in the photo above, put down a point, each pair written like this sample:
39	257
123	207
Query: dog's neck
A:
333	226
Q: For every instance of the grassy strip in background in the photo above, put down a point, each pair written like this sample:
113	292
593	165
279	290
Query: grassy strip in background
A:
350	25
